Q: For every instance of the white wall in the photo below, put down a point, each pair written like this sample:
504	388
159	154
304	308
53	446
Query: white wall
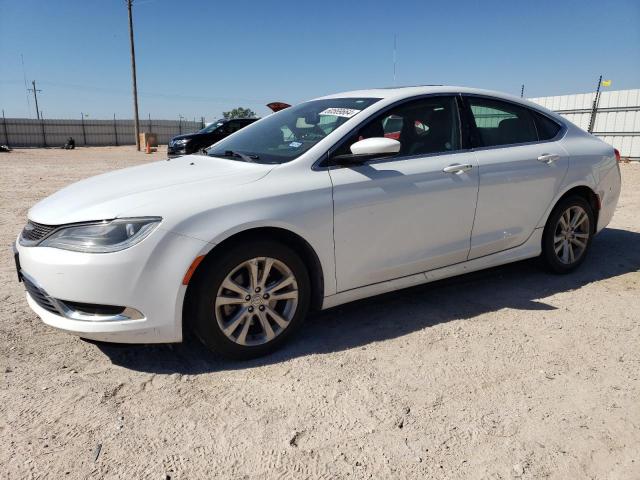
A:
617	121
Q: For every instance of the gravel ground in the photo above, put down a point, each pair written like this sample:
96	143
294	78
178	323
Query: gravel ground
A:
507	373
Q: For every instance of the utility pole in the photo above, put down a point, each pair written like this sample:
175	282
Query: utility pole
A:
594	110
38	113
136	120
522	91
84	133
115	129
35	97
4	124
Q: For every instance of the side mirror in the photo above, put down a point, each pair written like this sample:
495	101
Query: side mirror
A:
375	146
367	149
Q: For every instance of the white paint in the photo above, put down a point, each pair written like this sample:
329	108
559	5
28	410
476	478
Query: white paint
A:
375	145
397	222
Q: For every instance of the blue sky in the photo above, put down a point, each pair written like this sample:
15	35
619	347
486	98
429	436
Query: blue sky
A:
198	58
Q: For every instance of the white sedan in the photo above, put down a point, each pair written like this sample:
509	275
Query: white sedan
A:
335	199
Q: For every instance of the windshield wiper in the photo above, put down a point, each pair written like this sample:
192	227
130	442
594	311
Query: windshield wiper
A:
231	153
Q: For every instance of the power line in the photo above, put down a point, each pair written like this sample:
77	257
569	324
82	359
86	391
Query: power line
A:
142	93
145	94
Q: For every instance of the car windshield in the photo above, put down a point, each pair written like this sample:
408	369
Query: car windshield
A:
284	136
212	126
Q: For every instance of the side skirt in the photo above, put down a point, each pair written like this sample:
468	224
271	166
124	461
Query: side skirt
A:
531	248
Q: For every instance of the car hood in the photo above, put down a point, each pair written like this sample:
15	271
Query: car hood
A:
188	135
113	194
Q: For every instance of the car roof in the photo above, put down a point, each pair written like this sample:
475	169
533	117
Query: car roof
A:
400	93
410	91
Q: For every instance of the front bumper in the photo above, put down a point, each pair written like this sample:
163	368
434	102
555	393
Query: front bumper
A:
146	278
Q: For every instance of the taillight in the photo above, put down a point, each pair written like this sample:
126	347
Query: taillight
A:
617	152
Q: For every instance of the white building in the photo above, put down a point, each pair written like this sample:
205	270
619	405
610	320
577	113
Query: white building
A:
617	120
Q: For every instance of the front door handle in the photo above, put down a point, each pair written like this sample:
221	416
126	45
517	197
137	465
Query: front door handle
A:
548	158
457	168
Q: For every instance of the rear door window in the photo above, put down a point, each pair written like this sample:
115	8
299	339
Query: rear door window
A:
502	123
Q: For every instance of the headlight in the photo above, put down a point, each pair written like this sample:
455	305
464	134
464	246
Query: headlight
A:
102	237
180	142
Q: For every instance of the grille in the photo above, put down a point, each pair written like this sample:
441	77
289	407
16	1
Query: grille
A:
39	296
34	232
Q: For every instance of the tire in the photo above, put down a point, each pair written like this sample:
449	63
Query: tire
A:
255	321
565	248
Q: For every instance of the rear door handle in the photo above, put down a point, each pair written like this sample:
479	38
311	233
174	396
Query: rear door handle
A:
548	158
457	168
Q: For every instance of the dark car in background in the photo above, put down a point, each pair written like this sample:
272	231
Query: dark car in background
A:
214	132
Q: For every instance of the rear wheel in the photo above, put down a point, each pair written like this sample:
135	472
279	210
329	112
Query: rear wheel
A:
567	235
251	299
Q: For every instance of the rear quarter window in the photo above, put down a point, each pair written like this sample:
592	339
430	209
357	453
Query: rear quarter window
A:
547	128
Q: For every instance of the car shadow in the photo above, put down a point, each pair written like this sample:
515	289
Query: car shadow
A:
519	286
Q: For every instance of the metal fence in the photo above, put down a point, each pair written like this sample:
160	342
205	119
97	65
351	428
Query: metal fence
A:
29	132
617	119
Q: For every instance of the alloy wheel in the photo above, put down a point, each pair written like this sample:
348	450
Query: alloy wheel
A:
571	235
256	301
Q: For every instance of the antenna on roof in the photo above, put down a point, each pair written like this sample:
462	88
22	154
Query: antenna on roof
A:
395	37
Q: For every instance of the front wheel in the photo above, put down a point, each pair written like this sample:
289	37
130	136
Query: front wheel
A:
251	299
567	235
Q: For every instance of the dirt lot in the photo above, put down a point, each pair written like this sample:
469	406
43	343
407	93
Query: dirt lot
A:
509	373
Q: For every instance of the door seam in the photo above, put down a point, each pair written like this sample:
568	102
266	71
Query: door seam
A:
475	210
333	231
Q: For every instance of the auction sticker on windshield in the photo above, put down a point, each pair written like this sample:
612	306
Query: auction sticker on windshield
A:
340	112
